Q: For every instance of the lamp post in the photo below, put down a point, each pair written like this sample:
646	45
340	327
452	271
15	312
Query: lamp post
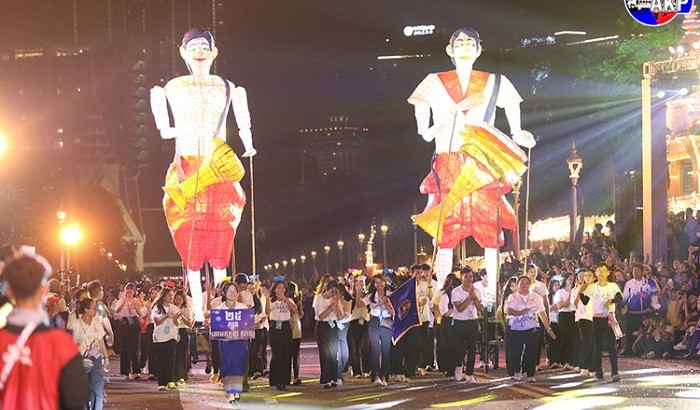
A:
361	239
303	266
313	260
70	235
284	267
61	215
384	229
340	253
327	249
575	164
294	271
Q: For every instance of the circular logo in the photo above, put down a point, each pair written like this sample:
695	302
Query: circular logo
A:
657	12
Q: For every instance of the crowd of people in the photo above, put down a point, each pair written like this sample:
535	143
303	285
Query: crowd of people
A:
575	311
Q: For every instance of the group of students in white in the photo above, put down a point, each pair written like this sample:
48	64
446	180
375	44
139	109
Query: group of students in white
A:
353	329
580	314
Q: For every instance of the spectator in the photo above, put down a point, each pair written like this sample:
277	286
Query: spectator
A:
60	380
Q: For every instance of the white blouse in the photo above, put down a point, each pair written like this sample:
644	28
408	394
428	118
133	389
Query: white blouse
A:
470	312
376	307
528	320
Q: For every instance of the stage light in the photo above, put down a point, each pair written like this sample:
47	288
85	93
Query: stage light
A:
661	94
696	45
680	50
683	91
671	49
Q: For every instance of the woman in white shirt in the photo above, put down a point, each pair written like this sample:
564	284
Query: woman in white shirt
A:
523	309
466	301
183	328
342	324
328	308
279	312
258	346
166	317
567	326
88	334
233	353
358	339
128	312
583	346
553	346
603	295
445	341
381	313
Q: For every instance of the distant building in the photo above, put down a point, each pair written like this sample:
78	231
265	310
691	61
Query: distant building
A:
337	147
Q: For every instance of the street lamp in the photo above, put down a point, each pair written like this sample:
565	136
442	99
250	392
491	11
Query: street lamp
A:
70	235
327	249
284	267
384	229
294	272
61	215
361	238
575	164
340	253
313	261
303	266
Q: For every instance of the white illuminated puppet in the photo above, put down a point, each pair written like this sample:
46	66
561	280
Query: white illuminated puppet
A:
474	164
203	199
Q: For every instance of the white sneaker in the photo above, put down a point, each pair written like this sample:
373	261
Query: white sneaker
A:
680	346
339	382
469	379
585	373
378	382
518	376
384	383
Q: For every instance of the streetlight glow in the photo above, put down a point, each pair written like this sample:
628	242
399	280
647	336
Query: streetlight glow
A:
3	144
72	234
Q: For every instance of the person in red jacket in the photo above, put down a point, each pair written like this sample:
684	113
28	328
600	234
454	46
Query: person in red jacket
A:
47	370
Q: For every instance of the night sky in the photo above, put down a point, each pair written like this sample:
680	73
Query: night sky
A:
303	60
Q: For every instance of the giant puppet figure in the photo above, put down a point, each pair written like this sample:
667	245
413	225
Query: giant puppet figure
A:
474	164
203	199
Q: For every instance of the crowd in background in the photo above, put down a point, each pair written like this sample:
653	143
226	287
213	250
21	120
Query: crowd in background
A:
569	310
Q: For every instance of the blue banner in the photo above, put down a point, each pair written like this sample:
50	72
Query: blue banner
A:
232	324
406	308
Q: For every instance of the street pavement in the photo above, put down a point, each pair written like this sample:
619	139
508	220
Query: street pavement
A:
646	384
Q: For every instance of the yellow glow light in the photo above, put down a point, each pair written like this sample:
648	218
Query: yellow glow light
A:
3	144
580	403
464	403
668	380
72	234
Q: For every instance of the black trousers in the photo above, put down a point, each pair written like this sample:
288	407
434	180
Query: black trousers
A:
281	346
554	345
327	341
358	343
604	340
146	354
181	355
215	356
465	334
510	361
165	361
128	359
380	348
296	346
567	334
444	348
586	345
426	342
258	352
404	355
634	323
523	345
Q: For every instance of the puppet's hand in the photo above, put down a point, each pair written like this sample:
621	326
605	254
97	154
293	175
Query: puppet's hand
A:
524	138
169	133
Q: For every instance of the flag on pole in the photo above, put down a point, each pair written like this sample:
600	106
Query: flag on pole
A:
406	308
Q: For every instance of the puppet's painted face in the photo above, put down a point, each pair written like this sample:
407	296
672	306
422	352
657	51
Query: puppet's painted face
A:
198	54
465	49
